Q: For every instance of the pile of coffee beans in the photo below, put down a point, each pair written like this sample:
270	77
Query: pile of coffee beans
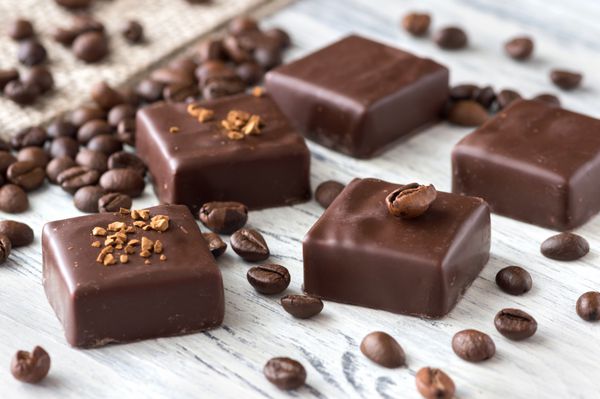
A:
447	38
86	37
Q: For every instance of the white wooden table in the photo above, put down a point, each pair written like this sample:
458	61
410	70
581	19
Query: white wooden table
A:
561	361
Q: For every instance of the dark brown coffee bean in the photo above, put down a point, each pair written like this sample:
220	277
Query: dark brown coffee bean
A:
74	178
588	306
150	90
106	144
84	114
172	76
20	93
5	248
61	128
92	160
4	145
451	38
64	36
411	201
6	159
126	132
223	217
20	29
105	96
268	57
221	88
216	246
235	51
18	233
285	373
36	155
302	306
467	113
86	198
26	174
214	70
7	75
29	137
91	129
242	24
279	36
210	49
130	96
133	32
417	24
180	92
514	280
90	47
13	199
327	191
566	80
269	279
506	97
548	98
112	202
127	160
473	346
434	384
250	245
30	367
124	181
515	324
486	96
64	146
58	165
74	4
465	91
40	77
383	349
31	52
519	48
120	112
565	247
250	72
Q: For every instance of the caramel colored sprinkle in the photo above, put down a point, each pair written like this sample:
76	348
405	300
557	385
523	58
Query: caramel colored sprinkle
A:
163	257
258	91
103	253
98	231
124	211
123	258
139	223
232	135
129	249
203	114
239	124
160	223
147	262
147	227
109	259
129	230
173	129
147	244
116	226
145	254
158	247
96	244
133	242
253	125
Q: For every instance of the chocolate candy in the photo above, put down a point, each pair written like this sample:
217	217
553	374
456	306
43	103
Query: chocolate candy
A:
417	266
357	96
143	290
533	162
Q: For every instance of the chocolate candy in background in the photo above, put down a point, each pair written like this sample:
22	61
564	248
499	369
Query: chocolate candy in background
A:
420	266
130	301
533	162
342	98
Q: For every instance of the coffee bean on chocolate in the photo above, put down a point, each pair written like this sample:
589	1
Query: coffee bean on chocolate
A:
119	113
31	52
91	129
434	384
133	32
37	155
269	279
126	132
223	217
7	75
467	113
515	324
302	306
566	80
507	96
105	143
6	159
112	202
26	174
285	373
18	233
451	38
250	245
416	23
588	306
327	191
20	93
74	4
30	367
486	96
105	96
548	98
241	24
127	160
90	47
92	159
5	248
210	49
216	245
514	280
13	199
58	165
473	346
64	146
565	247
250	72
86	198
383	349
20	29
411	201
74	178
124	181
519	48
84	114
150	90
28	137
40	77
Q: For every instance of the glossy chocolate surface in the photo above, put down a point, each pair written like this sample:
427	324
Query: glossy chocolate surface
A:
199	164
358	96
533	162
358	253
100	304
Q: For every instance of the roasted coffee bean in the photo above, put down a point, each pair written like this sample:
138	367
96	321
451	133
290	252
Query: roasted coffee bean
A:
565	247
92	159
250	72
269	279
91	129
31	52
150	90
214	70
383	349
473	346
566	80
327	191
40	77
216	246
74	178
105	96
507	96
172	76
250	245
185	66
58	165
6	159
90	47
106	144
74	4
302	306
61	128
4	145
268	57
127	160
221	88
5	248
126	132
210	49
20	29
417	24
37	155
486	96
180	92
285	373
223	217
411	201
451	38
588	306
520	48
26	174
515	324
80	116
434	384
86	198
241	24
30	367
7	75
18	233
465	91
279	36
120	112
64	36
548	98
64	146
20	93
124	181
514	280
467	113
13	199
29	137
130	96
133	32
235	51
112	202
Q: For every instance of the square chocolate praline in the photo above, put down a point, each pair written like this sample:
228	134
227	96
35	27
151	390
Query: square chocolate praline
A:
533	162
358	253
358	96
131	301
198	163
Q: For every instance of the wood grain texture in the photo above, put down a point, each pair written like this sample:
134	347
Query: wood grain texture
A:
560	361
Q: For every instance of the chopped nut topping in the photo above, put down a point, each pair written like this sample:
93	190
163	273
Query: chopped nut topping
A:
98	231
139	223
158	247
123	211
105	251
173	129
239	124
96	244
109	259
147	262
253	125
116	226
147	244
145	254
203	114
160	222
123	258
129	230
133	242
232	135
129	249
147	227
144	214
163	257
258	91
